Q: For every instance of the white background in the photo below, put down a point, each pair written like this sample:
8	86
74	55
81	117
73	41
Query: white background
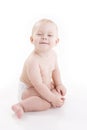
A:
16	20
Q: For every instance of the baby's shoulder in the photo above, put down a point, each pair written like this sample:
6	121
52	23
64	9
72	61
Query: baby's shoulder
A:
32	59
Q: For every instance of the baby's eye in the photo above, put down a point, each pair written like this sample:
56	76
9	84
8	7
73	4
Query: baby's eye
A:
39	34
50	35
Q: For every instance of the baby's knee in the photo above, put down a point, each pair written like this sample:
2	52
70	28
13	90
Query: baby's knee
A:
47	105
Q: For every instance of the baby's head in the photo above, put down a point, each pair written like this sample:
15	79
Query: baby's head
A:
43	22
44	35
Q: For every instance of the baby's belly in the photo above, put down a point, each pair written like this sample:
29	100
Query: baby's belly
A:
45	79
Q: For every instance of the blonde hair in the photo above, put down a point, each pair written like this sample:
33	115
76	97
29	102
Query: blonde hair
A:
43	21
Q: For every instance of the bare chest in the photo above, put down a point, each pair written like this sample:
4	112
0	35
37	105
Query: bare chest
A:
46	67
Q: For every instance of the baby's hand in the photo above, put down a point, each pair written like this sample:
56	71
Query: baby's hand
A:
58	101
61	89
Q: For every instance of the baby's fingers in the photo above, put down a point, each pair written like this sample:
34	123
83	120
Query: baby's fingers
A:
60	103
63	99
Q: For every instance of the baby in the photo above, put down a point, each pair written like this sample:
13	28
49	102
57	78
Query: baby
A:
40	82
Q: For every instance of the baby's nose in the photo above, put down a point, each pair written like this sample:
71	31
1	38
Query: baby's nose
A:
44	37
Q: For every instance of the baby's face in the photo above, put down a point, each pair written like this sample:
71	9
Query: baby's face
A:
44	36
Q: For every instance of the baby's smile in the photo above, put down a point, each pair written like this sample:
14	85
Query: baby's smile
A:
45	43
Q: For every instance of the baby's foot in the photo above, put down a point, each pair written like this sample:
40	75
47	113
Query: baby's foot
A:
17	108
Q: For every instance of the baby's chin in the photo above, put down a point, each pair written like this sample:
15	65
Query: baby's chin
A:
44	48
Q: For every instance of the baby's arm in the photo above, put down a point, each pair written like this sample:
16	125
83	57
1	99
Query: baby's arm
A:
57	81
34	75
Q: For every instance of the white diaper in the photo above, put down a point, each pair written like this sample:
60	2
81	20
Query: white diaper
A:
21	87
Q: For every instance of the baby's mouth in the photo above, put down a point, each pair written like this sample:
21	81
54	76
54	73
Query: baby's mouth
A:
44	43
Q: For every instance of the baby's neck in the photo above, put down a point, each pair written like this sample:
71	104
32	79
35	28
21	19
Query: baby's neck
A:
43	54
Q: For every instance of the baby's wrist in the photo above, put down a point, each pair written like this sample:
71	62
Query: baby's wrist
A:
60	84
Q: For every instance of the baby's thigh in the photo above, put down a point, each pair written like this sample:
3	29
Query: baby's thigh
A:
28	92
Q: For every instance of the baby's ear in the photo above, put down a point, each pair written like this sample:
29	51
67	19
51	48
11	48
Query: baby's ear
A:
57	40
31	39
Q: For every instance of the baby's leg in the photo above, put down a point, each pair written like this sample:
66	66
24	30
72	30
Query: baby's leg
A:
29	92
18	109
34	103
31	102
